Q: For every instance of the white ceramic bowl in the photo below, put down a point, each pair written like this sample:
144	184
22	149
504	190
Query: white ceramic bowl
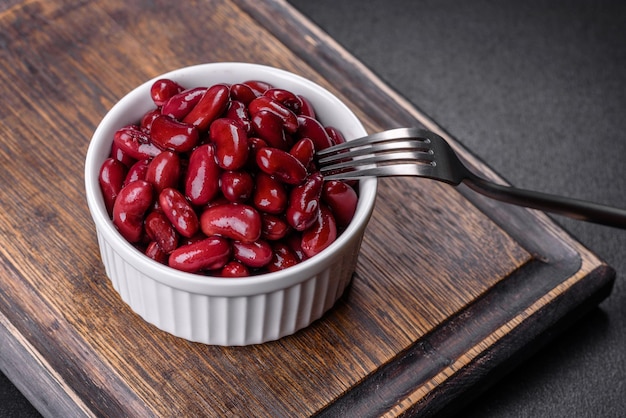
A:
217	310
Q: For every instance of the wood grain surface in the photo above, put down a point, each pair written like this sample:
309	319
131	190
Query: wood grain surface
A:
450	290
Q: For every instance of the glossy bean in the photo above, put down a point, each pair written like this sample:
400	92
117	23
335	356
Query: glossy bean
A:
145	125
179	105
231	143
136	143
237	186
163	89
335	135
121	156
294	241
273	227
238	112
212	104
130	207
269	194
111	179
288	117
254	144
253	254
281	165
311	128
342	200
321	234
304	202
164	171
137	171
179	211
242	93
237	221
258	87
199	236
282	258
304	151
155	252
234	269
207	254
170	134
269	127
287	98
307	108
160	230
202	176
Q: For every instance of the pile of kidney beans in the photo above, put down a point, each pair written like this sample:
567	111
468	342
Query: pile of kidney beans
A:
222	180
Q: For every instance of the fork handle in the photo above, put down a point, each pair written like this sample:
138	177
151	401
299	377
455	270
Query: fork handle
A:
572	208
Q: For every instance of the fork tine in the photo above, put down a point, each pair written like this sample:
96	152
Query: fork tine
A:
390	135
416	146
415	157
408	169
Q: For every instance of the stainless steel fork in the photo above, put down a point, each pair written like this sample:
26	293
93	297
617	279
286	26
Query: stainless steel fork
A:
422	153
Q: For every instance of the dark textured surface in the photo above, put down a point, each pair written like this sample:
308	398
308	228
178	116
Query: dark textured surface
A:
538	91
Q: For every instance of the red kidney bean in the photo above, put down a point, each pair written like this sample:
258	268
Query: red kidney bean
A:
160	230
282	258
111	179
163	89
289	119
258	87
190	240
269	194
269	127
238	112
156	253
321	234
231	143
137	171
285	97
212	104
121	156
146	121
179	212
304	151
207	254
311	128
164	171
304	202
253	254
282	165
237	221
242	93
135	143
202	176
171	134
237	186
307	108
234	269
273	227
255	144
179	105
335	135
130	206
218	200
294	241
342	200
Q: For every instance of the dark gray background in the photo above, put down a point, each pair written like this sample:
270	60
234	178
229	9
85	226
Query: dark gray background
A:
538	91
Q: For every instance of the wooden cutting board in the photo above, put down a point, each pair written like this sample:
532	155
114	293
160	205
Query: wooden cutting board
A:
451	289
